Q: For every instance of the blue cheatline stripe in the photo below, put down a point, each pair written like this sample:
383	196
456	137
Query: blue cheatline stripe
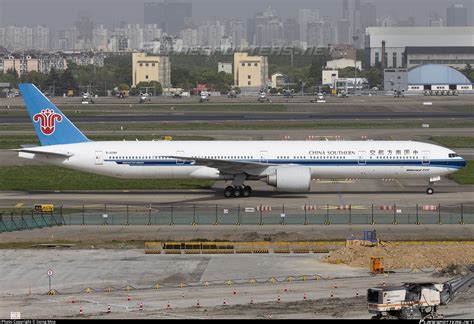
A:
434	163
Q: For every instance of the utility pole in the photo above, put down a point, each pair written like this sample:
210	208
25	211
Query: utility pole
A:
355	63
355	38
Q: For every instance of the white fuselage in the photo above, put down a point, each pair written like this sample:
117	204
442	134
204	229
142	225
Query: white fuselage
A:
326	159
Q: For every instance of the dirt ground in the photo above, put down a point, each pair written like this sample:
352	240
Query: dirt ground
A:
406	256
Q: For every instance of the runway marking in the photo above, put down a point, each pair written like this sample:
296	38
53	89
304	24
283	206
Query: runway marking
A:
19	205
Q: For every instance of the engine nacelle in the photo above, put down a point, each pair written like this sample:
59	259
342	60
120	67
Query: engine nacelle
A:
294	179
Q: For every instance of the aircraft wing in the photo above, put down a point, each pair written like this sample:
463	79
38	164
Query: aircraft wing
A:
33	151
226	166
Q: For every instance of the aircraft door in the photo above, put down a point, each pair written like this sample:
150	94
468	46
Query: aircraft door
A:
263	156
179	161
99	158
362	158
426	158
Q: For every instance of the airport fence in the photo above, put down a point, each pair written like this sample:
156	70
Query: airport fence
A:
178	214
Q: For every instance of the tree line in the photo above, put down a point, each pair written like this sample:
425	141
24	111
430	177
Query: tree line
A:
187	71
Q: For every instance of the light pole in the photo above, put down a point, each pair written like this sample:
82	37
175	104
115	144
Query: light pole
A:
355	38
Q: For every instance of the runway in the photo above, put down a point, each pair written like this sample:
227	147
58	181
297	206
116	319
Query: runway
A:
358	193
245	116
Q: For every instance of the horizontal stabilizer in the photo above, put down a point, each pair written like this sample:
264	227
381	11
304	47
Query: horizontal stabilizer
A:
43	152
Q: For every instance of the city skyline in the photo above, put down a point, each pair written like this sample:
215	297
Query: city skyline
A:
173	26
113	12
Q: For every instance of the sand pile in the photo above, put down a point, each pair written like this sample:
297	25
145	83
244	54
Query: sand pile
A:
406	256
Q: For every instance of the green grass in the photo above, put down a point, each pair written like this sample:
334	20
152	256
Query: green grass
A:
455	141
94	110
272	125
54	178
257	125
15	141
466	175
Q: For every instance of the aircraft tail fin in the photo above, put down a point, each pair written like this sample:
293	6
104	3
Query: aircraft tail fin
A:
51	125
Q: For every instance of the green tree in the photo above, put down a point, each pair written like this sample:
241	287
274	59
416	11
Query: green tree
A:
317	66
123	87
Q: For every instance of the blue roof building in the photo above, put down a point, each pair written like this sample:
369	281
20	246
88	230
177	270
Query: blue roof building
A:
431	74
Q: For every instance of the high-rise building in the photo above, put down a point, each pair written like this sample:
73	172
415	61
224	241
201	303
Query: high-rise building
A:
345	9
190	37
268	28
270	32
357	26
171	17
99	38
368	16
291	32
343	32
314	37
2	37
456	15
251	31
209	33
328	31
41	38
135	34
85	28
344	25
238	33
305	17
151	32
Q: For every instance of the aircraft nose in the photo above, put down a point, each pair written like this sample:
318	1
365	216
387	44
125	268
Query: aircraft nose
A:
463	162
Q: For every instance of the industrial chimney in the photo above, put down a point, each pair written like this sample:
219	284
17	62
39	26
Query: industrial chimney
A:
383	54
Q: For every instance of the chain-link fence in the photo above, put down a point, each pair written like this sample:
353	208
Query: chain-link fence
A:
11	220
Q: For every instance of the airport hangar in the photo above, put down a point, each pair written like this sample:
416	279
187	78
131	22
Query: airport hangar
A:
436	77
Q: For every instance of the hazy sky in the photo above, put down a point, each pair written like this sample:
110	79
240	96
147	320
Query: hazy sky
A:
61	13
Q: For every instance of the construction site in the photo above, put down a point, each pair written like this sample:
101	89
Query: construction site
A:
102	272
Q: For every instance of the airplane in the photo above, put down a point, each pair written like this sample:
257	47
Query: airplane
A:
289	166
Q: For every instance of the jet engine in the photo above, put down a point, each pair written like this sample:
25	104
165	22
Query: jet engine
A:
293	179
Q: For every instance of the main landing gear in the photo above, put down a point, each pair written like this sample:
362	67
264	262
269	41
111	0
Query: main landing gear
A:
237	191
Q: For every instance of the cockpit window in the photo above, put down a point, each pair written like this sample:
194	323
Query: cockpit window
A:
453	155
